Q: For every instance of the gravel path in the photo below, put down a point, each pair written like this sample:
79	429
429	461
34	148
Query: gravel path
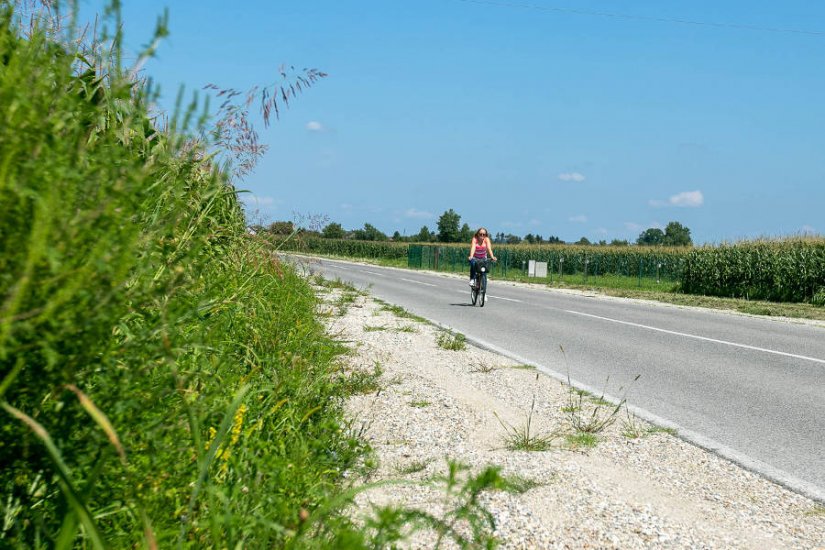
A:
638	487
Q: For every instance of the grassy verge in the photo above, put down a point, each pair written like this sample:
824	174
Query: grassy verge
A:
163	382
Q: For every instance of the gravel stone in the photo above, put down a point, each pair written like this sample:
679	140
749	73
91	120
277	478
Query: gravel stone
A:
654	491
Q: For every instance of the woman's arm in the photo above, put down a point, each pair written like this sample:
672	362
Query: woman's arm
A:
472	248
489	246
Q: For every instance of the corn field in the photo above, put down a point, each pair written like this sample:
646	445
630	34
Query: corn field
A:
781	271
638	263
344	247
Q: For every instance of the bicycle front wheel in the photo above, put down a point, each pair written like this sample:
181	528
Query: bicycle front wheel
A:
483	291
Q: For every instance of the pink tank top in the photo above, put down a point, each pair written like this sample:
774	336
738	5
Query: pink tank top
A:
481	252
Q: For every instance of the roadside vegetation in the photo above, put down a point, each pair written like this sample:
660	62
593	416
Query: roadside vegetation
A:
783	278
165	381
161	376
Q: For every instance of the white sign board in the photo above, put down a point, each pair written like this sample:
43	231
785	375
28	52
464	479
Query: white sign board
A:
536	269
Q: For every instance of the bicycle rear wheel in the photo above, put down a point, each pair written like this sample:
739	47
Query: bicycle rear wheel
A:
474	294
483	291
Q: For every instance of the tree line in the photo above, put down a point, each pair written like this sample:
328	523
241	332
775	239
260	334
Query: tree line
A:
449	229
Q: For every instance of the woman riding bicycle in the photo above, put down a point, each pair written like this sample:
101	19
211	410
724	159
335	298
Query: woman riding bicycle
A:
480	249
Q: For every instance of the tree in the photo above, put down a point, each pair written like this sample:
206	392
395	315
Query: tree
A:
583	241
371	233
552	239
466	233
448	231
424	235
499	238
512	239
333	231
397	237
676	234
652	236
530	238
281	228
619	242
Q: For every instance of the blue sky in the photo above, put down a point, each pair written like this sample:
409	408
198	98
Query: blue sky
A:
571	118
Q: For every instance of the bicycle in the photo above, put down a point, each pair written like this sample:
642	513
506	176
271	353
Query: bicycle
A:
479	288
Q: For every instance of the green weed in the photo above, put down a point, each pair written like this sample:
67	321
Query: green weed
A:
413	467
523	438
594	416
362	381
520	484
451	341
522	367
483	368
582	440
399	311
633	428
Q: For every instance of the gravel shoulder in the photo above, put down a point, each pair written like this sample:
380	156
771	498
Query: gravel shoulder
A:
638	487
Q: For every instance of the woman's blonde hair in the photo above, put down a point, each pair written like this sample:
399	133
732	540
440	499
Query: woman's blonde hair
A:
479	230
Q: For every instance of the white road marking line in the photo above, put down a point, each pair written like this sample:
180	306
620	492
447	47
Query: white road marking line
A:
417	282
503	298
697	337
374	273
335	266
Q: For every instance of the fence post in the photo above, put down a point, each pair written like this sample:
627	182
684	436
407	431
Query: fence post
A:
640	272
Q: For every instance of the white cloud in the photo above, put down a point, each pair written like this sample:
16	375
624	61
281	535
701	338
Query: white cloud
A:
577	219
688	198
413	213
315	126
572	176
685	199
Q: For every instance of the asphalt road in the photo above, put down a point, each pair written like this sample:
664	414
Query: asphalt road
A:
750	389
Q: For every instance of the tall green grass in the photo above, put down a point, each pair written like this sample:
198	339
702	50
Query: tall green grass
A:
163	381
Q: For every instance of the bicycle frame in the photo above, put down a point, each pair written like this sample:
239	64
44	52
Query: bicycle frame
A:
479	289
